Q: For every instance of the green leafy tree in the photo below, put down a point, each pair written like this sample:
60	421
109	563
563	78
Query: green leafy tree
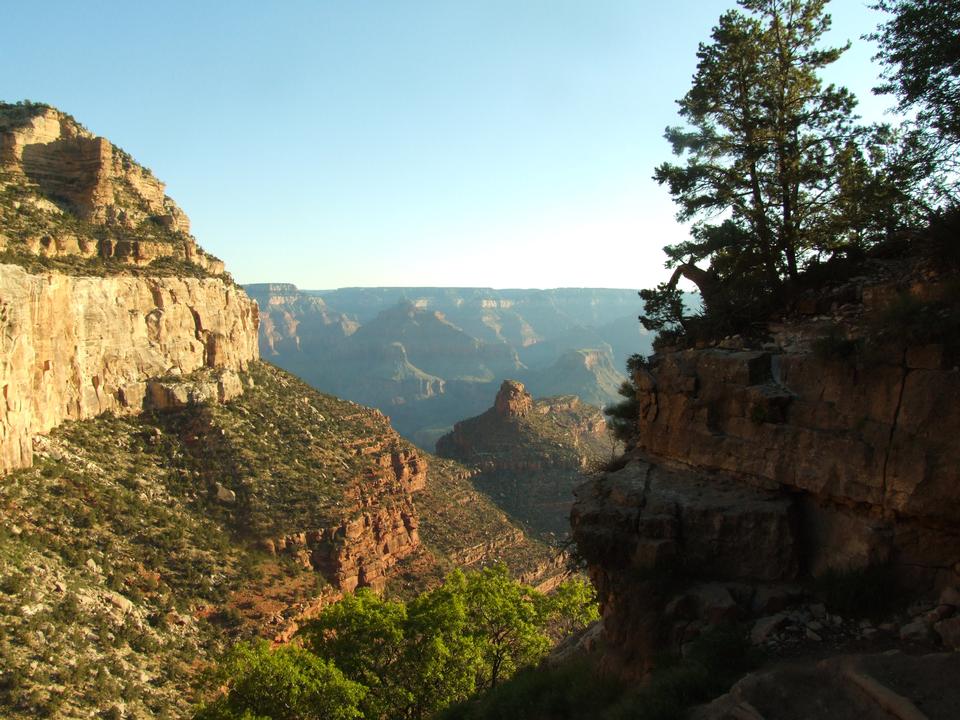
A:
572	607
413	658
920	47
443	659
508	620
384	659
288	683
363	636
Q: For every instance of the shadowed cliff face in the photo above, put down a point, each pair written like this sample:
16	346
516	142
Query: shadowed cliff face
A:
530	453
830	448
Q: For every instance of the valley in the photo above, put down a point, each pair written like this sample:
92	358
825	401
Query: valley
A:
428	357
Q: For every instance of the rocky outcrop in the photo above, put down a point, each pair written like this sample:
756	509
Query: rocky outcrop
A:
830	447
69	195
74	347
530	454
880	686
513	400
95	180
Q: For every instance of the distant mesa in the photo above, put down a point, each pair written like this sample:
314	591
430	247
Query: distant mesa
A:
530	454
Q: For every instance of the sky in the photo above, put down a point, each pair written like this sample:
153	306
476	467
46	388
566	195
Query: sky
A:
493	143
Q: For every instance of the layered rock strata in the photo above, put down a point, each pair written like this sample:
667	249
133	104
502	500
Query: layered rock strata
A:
68	194
849	443
74	347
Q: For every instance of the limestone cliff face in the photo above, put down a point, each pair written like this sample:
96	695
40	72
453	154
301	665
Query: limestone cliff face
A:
74	347
89	320
68	194
98	182
783	460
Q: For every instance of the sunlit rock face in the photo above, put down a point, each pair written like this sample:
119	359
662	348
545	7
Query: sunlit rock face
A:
104	292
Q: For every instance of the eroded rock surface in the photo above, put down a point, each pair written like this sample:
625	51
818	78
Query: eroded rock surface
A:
74	347
842	431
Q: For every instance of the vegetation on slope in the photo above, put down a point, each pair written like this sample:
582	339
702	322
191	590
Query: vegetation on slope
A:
121	573
378	659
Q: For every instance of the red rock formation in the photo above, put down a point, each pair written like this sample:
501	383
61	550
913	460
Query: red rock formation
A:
513	400
757	465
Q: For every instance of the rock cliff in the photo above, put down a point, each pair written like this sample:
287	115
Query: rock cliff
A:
826	449
530	454
90	335
69	198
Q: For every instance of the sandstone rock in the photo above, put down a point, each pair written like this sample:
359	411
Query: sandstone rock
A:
95	179
225	495
949	632
120	602
950	596
513	400
765	627
879	473
772	599
918	631
715	604
131	329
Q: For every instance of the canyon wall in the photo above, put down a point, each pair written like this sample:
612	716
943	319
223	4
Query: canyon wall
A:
826	447
103	291
72	347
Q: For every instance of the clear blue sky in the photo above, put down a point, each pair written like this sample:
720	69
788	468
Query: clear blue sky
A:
504	143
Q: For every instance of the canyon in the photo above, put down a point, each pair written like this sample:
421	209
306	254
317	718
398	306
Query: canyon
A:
163	491
428	357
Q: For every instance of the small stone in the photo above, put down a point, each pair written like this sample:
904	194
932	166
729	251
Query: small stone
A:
819	610
120	602
949	632
918	630
815	626
950	596
92	566
715	604
225	495
811	635
764	628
